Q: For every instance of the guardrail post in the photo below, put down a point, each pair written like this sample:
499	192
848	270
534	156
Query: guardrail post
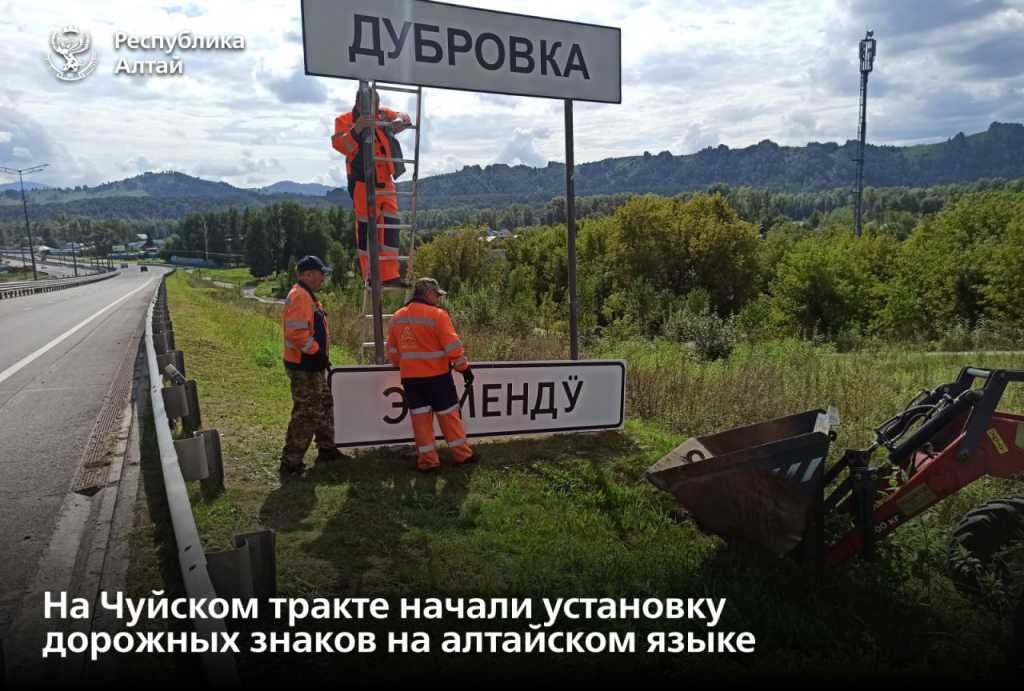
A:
163	341
176	358
248	570
182	401
199	457
194	420
175	401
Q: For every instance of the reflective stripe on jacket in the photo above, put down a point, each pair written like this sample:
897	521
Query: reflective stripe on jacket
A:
346	142
305	330
422	341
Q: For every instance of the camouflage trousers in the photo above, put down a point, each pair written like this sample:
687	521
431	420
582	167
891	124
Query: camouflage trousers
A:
312	415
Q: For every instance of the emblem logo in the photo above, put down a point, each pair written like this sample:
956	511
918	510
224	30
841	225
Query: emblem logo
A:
71	59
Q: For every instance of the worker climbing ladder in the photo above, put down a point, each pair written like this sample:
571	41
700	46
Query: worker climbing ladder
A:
372	309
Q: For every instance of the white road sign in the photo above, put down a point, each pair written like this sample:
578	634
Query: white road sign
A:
454	47
506	399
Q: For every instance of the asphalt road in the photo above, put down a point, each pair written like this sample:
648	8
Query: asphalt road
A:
59	354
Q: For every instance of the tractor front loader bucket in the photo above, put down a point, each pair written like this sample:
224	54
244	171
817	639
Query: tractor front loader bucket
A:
761	483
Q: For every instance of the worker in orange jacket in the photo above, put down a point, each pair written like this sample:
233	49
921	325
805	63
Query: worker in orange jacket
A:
423	344
306	350
347	139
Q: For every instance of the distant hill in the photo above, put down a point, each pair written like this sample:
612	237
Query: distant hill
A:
996	153
167	194
311	189
29	185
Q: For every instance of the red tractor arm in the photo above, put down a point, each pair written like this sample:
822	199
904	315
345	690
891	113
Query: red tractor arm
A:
962	438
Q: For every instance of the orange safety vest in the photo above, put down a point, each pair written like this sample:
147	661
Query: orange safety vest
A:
422	341
301	317
346	142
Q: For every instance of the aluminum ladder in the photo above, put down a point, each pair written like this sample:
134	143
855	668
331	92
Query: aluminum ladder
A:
410	210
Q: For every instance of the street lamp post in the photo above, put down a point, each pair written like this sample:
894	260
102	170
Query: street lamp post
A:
74	241
867	63
24	205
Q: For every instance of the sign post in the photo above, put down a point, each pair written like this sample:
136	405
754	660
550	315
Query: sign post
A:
366	105
570	226
425	43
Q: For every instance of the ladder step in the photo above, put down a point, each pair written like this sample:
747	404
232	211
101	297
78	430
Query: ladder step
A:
383	316
400	89
394	226
394	160
390	123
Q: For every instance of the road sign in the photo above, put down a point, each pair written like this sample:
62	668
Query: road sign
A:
454	47
506	399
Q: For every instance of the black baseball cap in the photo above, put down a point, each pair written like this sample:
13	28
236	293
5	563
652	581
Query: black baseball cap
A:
310	262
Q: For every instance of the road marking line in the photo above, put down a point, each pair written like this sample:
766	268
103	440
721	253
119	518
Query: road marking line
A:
17	366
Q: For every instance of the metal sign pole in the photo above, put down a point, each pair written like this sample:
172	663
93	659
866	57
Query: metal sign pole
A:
570	221
28	230
368	149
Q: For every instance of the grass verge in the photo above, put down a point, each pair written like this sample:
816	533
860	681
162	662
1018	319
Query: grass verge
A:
569	516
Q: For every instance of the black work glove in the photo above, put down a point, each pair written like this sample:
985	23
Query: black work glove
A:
467	376
321	360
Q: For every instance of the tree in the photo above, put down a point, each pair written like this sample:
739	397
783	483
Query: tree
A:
456	259
257	249
679	245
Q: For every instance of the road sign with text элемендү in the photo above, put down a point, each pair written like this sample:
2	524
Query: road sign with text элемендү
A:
436	44
506	399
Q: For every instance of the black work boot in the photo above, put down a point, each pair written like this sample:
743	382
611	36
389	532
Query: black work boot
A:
327	455
292	469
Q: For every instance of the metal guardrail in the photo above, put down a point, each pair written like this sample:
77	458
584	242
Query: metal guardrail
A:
249	569
16	289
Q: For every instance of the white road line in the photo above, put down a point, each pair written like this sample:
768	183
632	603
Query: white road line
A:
13	369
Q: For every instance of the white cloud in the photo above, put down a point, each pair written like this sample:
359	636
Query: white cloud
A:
696	73
522	150
696	137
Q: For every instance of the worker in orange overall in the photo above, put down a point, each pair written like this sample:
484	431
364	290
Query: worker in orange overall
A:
423	344
348	138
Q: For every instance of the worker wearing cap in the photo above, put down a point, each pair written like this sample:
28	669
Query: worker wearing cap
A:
307	362
347	140
423	344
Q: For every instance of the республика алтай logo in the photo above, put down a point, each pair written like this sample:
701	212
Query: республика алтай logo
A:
73	46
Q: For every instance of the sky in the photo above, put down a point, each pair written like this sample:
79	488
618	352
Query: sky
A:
695	73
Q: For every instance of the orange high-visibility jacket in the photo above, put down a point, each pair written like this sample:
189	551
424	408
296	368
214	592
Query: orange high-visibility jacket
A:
305	330
346	142
422	341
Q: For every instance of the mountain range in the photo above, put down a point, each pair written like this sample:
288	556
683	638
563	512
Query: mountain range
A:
29	185
997	152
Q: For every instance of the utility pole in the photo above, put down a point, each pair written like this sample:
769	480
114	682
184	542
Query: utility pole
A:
74	241
867	62
206	243
24	205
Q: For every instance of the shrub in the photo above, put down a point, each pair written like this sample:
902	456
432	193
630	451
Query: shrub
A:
713	337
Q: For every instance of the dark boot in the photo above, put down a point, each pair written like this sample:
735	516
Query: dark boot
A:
292	469
327	455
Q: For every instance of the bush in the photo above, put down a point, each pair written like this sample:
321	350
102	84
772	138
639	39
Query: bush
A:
456	259
678	245
713	337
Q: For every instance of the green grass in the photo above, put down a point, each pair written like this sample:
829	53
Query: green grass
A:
21	275
571	516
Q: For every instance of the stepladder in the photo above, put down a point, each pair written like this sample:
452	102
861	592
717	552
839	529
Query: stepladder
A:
403	226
